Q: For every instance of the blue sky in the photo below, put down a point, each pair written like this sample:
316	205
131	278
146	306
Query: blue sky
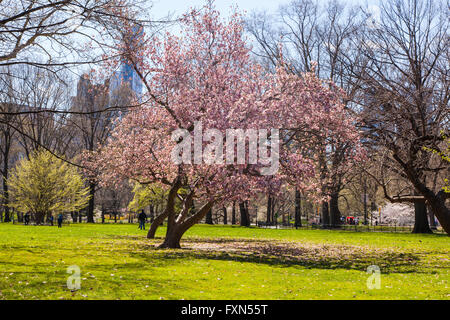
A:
162	7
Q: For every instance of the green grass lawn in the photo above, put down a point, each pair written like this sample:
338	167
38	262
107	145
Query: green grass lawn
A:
220	262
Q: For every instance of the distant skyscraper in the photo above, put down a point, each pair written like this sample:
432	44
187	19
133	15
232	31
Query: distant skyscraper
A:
126	75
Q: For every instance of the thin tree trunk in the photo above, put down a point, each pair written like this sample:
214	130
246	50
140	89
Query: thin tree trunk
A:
225	217
432	220
5	190
272	212
269	209
152	213
5	172
298	204
233	214
325	215
90	212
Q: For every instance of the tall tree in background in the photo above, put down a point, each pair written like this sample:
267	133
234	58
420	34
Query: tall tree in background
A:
24	93
403	86
40	93
8	103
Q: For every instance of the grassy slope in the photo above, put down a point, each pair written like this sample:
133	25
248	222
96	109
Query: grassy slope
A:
117	262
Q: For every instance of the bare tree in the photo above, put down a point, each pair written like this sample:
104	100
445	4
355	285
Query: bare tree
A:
59	33
403	86
7	135
24	88
39	90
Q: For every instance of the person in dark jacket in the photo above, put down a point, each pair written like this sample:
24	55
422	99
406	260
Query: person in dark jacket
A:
60	220
142	217
27	218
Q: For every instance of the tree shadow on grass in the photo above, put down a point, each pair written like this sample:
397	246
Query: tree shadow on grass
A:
269	252
291	254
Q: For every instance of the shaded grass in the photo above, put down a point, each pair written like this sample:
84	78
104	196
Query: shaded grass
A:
220	262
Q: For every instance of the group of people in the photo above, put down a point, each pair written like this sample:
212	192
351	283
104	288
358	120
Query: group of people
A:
27	219
350	220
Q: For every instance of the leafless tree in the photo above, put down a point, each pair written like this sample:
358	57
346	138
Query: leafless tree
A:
60	33
403	88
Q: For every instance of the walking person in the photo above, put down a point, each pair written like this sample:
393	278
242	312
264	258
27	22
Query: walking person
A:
51	220
60	220
27	218
142	217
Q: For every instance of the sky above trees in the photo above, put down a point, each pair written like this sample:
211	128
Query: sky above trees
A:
162	7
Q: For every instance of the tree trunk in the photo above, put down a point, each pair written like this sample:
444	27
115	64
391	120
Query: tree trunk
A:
233	214
6	192
90	212
156	223
152	213
225	217
273	217
173	238
80	217
435	201
421	218
325	215
208	218
176	228
432	220
298	208
6	200
245	219
335	213
39	218
439	209
269	209
7	145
